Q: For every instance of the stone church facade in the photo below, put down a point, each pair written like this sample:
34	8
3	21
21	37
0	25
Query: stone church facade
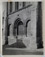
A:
22	23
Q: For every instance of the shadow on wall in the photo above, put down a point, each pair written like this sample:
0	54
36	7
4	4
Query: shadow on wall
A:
39	26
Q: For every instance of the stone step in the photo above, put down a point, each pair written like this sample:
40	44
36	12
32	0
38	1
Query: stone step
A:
28	41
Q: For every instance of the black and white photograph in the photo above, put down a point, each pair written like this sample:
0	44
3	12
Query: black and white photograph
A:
22	28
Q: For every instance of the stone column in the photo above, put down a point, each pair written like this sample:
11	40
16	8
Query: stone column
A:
6	25
13	6
11	30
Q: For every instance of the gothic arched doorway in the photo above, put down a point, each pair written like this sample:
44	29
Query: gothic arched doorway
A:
17	30
20	28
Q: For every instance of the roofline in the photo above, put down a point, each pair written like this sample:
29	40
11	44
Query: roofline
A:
20	9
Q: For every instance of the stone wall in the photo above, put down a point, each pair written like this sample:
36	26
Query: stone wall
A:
24	15
27	13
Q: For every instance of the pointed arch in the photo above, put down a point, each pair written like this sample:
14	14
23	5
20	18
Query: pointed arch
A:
26	26
27	22
16	24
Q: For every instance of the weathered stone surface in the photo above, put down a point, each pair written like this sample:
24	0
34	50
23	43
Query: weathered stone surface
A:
24	15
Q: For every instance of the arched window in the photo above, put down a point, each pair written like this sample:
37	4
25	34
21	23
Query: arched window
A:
26	26
9	29
24	4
